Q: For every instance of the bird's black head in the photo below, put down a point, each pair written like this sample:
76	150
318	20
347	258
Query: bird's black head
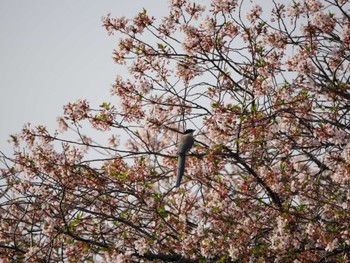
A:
189	131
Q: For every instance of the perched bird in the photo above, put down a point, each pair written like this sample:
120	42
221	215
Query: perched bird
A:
185	144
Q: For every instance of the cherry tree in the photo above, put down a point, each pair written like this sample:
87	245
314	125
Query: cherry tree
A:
267	180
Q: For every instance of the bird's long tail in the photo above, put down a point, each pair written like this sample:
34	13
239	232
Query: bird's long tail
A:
180	169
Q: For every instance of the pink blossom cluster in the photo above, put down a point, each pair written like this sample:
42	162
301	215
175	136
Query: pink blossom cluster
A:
254	14
111	24
325	22
223	6
267	179
76	111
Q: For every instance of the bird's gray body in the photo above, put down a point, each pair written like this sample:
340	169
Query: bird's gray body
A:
185	144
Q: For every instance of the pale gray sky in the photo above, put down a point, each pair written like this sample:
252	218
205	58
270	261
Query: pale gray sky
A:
54	52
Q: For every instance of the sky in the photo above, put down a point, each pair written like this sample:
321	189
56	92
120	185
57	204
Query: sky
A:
55	52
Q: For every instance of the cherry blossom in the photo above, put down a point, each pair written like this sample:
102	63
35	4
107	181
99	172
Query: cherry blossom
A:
267	180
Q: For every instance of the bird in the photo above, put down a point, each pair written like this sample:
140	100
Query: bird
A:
185	144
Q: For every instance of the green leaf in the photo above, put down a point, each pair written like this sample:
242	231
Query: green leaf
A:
261	24
214	105
105	105
222	259
282	167
142	160
155	197
160	46
74	223
304	93
253	108
281	102
216	209
86	248
100	117
162	212
300	208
